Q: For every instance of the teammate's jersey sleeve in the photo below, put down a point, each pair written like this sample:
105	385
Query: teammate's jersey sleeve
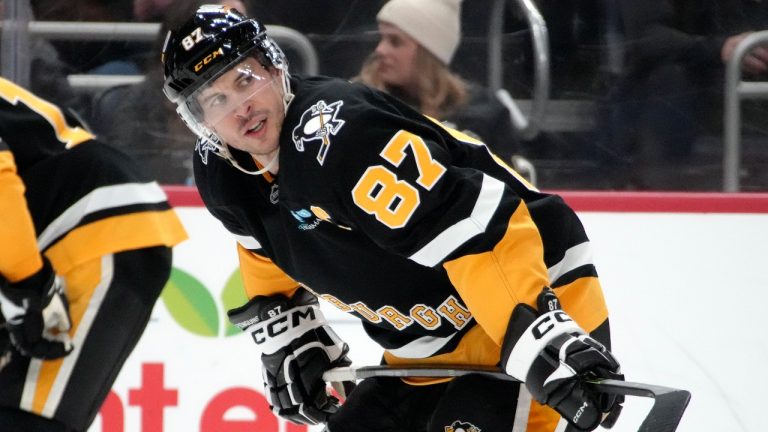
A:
84	198
19	256
413	187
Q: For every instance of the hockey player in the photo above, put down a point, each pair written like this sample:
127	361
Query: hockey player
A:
337	191
86	249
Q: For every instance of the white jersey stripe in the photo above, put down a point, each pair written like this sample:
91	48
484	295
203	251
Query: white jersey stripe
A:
422	347
247	242
523	410
30	384
449	240
575	257
102	198
562	425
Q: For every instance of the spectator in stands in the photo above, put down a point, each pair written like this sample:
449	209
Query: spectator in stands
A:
672	88
418	41
111	56
143	123
48	75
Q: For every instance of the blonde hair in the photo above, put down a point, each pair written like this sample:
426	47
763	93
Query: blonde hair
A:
437	92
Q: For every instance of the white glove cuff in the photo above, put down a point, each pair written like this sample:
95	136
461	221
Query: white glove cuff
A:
535	339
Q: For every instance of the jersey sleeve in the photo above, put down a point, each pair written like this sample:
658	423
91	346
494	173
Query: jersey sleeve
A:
19	257
83	198
411	190
261	276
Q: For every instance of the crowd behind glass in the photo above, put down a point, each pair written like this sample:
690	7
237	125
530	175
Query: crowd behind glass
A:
636	87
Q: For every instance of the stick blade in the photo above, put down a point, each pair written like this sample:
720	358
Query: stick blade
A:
667	411
669	404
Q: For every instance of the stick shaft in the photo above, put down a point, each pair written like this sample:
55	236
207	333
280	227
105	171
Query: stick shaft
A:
669	403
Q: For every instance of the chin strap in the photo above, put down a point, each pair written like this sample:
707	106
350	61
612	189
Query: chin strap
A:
266	167
287	94
226	155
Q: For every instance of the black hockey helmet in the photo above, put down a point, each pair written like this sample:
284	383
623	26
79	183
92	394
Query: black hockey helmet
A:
212	41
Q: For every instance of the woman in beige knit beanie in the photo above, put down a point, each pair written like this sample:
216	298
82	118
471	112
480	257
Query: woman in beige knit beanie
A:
418	41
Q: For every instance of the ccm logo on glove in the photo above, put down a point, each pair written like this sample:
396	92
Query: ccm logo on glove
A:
290	324
548	322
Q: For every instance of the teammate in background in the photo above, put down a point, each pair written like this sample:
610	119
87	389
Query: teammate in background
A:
338	191
411	62
86	251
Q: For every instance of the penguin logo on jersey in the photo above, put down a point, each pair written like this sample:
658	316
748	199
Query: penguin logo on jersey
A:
460	426
319	122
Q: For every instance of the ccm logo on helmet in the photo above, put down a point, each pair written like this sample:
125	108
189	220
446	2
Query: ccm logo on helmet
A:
282	324
209	58
546	323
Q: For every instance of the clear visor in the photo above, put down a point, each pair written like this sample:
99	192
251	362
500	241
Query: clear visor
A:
224	96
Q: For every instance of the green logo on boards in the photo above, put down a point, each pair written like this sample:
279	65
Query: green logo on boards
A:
193	307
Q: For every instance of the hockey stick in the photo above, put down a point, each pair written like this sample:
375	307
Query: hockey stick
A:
668	406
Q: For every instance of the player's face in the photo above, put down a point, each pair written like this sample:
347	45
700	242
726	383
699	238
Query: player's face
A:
396	53
245	108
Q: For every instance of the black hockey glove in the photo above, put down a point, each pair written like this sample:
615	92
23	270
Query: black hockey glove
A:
554	357
5	339
297	346
36	311
5	344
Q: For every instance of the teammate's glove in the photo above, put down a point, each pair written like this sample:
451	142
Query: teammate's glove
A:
5	340
297	346
36	311
554	357
5	344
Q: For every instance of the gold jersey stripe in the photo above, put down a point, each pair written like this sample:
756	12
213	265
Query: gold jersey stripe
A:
475	348
19	256
583	300
70	136
116	234
542	418
492	286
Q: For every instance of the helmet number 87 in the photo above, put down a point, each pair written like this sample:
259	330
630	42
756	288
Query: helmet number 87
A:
393	201
191	39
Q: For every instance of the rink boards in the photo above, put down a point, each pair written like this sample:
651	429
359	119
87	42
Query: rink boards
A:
684	277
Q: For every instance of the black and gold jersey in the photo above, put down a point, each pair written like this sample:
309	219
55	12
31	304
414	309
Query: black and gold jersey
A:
65	194
415	228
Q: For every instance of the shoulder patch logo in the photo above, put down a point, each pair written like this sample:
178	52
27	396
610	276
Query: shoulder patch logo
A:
203	146
306	219
319	122
324	216
459	426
